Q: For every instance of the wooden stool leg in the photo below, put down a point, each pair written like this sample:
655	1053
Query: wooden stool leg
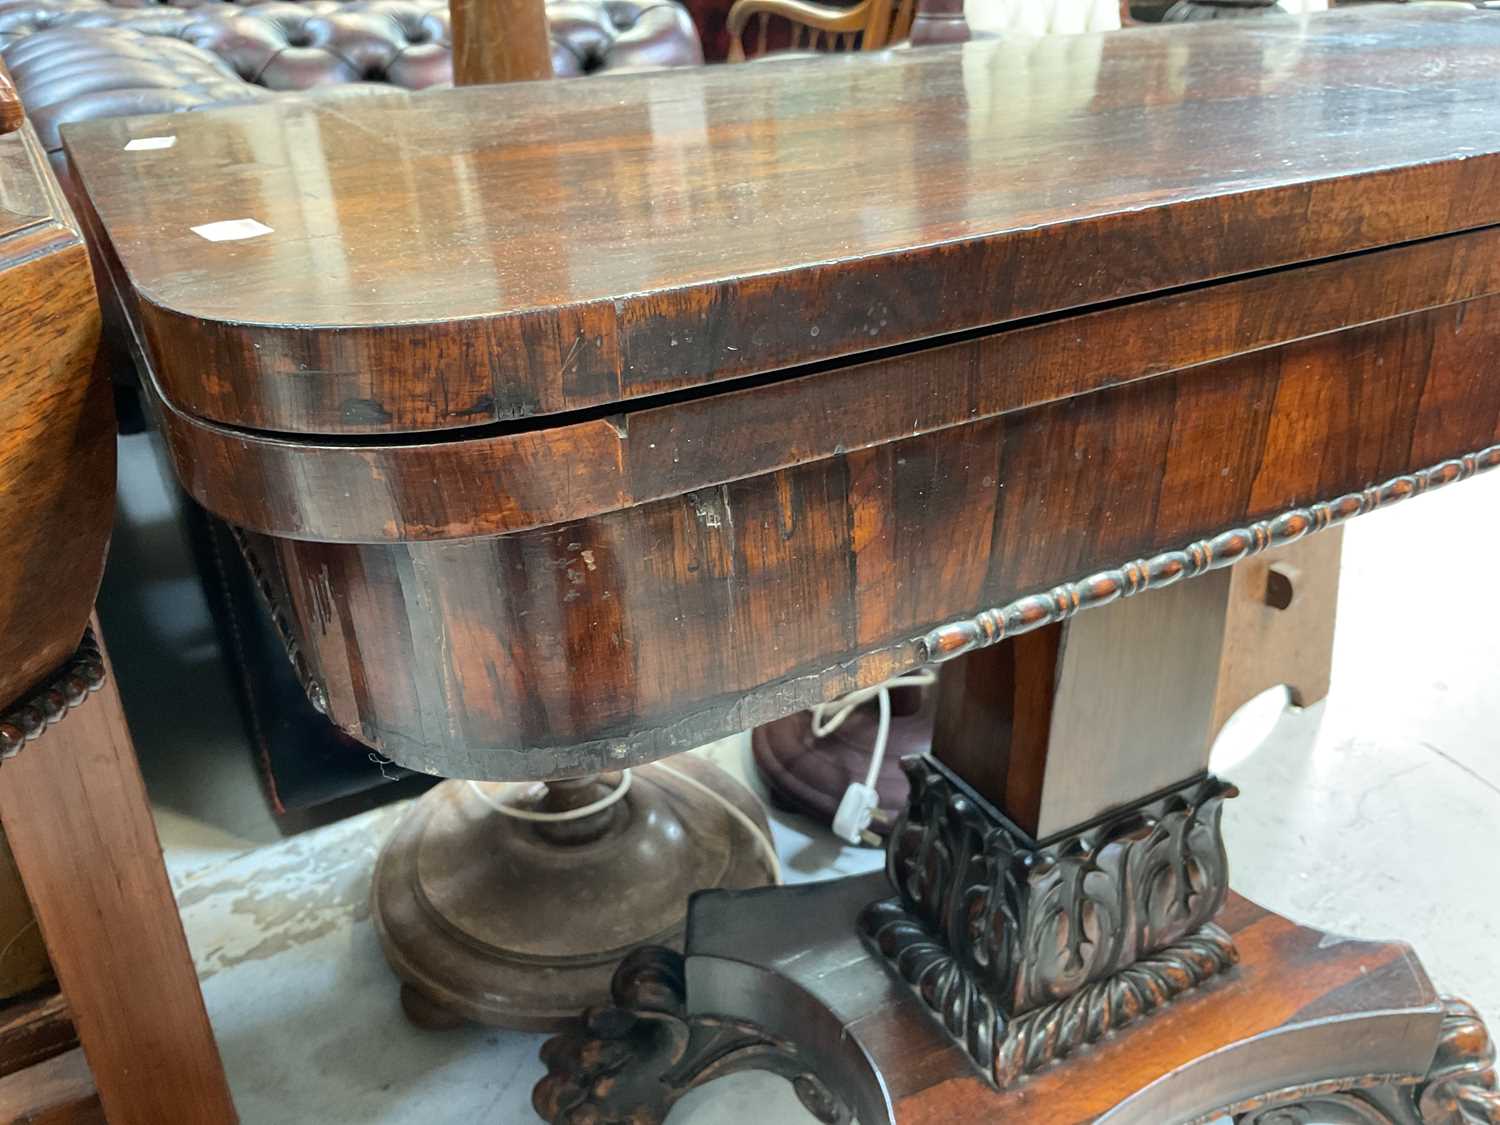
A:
75	811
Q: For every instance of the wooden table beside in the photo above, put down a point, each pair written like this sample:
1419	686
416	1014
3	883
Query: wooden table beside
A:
579	424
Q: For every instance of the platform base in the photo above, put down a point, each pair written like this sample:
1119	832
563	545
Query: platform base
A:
1306	1028
490	919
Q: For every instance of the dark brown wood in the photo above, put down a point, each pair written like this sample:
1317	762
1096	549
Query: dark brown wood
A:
449	878
1301	1013
499	41
34	1030
365	492
59	1091
75	811
57	435
1059	349
682	620
994	721
1054	727
553	248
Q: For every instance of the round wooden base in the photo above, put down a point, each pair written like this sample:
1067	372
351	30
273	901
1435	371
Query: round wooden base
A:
496	920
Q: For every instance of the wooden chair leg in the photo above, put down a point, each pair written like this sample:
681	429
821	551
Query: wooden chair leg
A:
75	811
1279	624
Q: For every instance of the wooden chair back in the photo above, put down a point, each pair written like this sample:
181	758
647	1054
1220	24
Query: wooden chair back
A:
801	25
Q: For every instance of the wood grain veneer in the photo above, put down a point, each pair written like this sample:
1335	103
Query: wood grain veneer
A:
540	247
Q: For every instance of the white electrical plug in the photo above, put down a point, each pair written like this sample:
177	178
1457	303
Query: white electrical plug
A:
856	811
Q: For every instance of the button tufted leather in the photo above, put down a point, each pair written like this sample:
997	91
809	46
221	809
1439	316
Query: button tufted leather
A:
77	59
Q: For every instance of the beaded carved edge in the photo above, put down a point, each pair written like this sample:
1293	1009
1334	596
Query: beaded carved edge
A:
79	678
1062	602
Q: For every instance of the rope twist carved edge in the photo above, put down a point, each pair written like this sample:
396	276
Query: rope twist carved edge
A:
79	678
1062	602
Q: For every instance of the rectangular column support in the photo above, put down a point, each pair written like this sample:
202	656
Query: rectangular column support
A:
1060	862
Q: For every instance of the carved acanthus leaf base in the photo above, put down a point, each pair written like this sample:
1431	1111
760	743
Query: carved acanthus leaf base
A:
632	1061
1007	1050
1027	951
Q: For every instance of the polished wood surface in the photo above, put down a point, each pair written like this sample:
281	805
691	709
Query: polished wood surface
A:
57	431
553	597
75	811
555	247
1053	728
34	1030
499	41
504	479
642	632
1301	1007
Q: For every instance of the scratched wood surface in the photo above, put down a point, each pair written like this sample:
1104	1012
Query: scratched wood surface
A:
501	479
539	247
659	627
645	572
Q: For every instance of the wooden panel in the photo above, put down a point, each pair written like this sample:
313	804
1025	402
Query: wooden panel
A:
540	248
1135	700
59	1091
502	480
57	458
1059	726
74	809
588	643
994	721
32	1031
1282	610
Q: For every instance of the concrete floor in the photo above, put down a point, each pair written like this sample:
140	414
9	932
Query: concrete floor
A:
1372	814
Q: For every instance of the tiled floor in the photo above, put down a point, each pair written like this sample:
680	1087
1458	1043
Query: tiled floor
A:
1376	813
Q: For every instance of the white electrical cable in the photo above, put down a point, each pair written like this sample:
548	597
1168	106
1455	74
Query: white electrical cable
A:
857	809
615	794
762	839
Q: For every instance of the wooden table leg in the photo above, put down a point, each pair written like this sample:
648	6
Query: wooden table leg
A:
1062	945
75	811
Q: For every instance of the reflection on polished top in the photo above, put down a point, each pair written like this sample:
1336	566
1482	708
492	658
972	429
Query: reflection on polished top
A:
452	258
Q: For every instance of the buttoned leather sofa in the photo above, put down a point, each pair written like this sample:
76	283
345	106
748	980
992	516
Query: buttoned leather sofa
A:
75	60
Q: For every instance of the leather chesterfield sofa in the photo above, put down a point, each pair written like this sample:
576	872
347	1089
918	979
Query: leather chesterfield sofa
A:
74	60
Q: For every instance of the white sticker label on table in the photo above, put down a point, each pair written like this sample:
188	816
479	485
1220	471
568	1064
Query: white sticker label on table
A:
228	230
141	144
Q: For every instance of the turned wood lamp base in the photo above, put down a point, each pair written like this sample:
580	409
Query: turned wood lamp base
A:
495	920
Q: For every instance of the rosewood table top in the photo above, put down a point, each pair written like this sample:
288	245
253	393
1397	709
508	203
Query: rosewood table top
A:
590	422
455	258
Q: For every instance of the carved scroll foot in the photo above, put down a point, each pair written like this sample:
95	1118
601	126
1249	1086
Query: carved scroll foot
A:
1460	1088
632	1061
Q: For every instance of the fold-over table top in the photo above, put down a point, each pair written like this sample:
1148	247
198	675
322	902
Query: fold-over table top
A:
454	258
